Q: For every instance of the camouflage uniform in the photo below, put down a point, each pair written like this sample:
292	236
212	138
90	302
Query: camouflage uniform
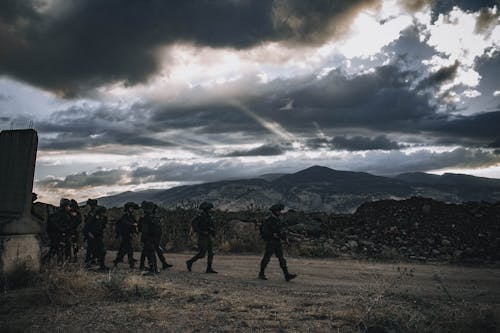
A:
150	226
126	227
92	203
204	226
75	221
94	233
58	227
272	232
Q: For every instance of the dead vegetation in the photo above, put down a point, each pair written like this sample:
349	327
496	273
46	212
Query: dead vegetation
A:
329	296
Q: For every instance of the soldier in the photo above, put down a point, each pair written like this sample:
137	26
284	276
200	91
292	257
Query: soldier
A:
126	227
273	233
151	236
75	221
94	233
57	228
92	203
204	226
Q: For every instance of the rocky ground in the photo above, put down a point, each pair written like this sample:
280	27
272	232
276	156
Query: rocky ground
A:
330	295
416	229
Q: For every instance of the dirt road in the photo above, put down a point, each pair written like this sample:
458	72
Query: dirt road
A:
329	295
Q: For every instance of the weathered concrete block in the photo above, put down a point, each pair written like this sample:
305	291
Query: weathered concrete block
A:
16	250
17	167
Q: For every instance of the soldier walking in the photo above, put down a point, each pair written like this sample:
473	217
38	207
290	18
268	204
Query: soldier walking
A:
204	226
92	203
150	225
75	221
94	233
272	232
126	227
57	229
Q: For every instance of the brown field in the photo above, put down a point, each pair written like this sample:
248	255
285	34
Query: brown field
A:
328	296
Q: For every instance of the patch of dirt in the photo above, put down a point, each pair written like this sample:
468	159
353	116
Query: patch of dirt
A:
328	295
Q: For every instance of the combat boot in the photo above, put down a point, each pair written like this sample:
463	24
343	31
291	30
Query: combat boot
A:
166	265
189	265
211	270
262	276
289	276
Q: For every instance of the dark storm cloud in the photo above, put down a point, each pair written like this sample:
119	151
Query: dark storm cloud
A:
81	127
481	128
354	143
84	179
425	160
195	172
379	101
445	6
443	75
364	143
264	150
212	117
87	43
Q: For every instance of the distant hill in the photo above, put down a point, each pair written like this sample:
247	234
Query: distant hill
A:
448	179
319	189
120	199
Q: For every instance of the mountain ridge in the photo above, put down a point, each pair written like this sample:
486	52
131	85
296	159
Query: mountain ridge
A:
319	188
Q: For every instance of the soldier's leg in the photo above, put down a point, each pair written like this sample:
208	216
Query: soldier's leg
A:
210	258
74	241
121	252
100	253
88	252
60	250
163	261
68	245
265	259
130	251
202	250
150	254
279	253
143	256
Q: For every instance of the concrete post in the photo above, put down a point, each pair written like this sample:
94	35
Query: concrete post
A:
19	230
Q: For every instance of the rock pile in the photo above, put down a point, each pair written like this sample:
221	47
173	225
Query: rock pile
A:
418	229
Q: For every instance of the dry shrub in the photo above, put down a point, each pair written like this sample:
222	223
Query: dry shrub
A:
382	306
69	286
120	287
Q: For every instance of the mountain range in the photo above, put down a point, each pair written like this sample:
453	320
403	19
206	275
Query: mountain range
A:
318	189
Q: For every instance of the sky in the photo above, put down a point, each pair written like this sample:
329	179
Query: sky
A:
133	95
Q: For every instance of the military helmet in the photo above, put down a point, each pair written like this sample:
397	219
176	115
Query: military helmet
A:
73	204
92	202
64	202
276	208
206	206
148	206
131	205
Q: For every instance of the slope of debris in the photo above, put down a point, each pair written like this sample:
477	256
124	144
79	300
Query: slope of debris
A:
417	228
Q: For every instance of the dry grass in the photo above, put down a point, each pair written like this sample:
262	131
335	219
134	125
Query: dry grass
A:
329	296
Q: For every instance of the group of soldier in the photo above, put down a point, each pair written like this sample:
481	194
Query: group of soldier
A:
62	229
